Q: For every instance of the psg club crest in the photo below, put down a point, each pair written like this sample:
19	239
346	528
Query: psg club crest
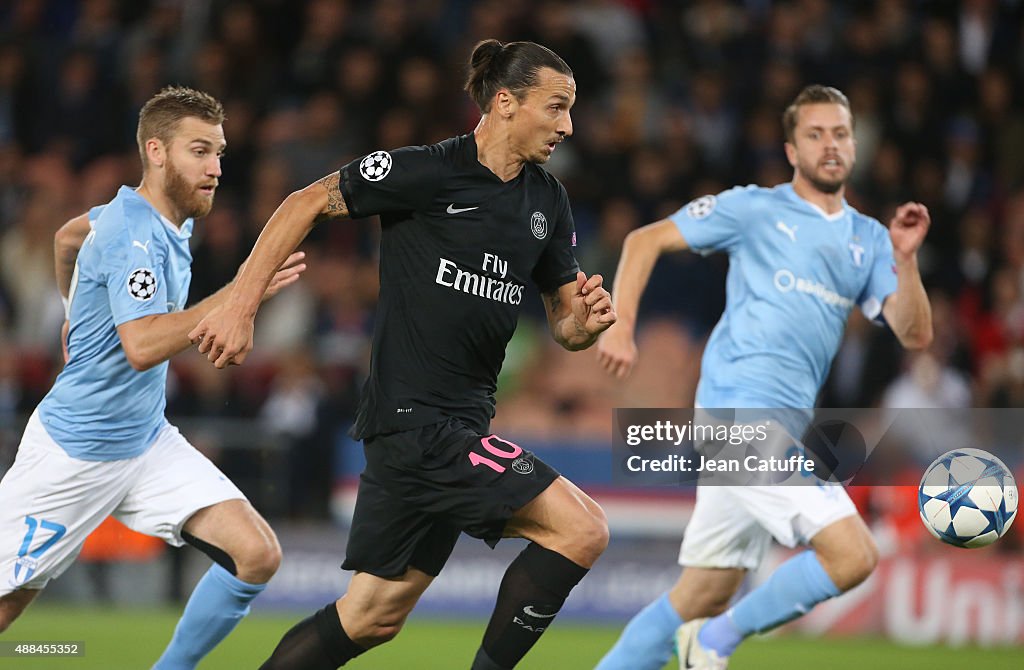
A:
142	284
522	465
375	166
539	225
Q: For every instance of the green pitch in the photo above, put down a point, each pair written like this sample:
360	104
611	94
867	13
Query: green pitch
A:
127	639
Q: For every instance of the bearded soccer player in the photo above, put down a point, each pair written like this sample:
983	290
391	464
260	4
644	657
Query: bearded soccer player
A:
465	224
800	259
98	444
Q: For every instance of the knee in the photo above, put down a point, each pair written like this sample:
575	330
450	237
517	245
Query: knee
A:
376	631
259	561
590	535
864	564
852	568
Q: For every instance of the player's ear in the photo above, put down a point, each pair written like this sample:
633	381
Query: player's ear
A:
156	152
791	154
504	103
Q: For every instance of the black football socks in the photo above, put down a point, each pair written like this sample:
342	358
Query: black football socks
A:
315	643
534	587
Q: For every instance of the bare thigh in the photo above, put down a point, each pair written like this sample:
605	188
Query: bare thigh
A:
563	519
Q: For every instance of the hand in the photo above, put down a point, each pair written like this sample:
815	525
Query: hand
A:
907	229
224	335
592	305
616	351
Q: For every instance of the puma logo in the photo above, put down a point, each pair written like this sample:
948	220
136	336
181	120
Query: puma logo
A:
790	232
140	245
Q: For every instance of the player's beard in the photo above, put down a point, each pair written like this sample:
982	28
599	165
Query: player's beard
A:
187	198
828	186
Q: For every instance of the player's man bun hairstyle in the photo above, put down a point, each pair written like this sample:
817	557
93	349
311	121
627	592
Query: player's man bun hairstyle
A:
163	112
812	95
494	66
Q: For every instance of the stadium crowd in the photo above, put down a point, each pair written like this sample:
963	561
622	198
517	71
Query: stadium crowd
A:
675	100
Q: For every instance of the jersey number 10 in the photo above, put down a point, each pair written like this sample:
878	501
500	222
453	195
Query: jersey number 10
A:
513	451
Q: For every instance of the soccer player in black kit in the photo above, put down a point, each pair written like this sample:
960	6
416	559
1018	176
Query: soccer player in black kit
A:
465	224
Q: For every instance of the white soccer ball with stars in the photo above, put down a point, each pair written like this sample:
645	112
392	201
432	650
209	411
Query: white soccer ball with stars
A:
967	498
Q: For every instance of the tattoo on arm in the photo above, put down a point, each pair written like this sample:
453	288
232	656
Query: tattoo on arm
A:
336	206
554	301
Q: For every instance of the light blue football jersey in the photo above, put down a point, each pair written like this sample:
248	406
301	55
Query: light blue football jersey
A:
795	273
134	263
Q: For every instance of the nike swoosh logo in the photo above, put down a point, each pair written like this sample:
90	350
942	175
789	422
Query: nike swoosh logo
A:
686	656
453	210
528	610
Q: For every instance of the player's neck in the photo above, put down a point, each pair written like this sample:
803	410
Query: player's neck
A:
493	150
161	203
830	203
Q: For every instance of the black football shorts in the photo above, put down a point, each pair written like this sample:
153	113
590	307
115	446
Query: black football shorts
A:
423	487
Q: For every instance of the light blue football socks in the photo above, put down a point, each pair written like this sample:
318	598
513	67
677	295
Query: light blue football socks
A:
646	642
791	591
217	604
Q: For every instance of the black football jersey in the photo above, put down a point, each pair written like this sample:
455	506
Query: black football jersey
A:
457	248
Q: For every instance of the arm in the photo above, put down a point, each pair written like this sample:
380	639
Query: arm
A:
225	333
66	243
907	311
151	340
579	311
616	349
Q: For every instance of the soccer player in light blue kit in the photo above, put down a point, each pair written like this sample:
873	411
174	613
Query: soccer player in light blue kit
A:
99	444
800	259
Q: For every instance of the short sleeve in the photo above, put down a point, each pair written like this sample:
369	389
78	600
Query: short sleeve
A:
882	280
135	281
391	181
712	222
557	265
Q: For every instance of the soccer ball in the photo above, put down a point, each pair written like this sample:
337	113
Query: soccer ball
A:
967	498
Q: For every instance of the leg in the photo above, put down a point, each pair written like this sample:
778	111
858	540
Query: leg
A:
395	549
371	612
717	534
181	496
705	592
843	556
13	604
565	520
568	533
237	530
846	551
646	642
49	503
246	555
